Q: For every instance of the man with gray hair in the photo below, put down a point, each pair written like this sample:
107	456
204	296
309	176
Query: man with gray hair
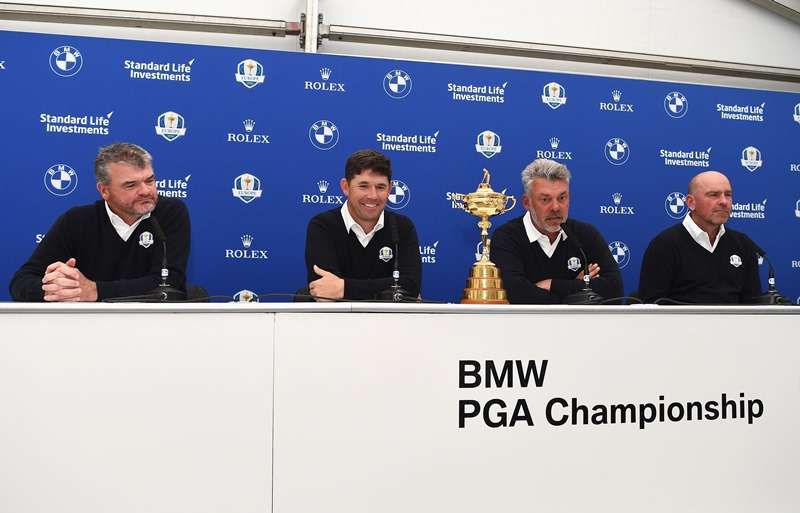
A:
538	253
108	249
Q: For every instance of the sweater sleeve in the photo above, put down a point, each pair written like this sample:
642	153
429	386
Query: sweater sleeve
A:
752	281
658	267
508	253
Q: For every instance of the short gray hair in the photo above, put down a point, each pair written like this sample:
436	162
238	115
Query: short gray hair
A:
119	152
548	169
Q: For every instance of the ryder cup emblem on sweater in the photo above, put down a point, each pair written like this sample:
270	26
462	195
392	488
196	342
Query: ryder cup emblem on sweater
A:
573	264
617	151
554	95
323	134
399	195
797	113
60	180
146	240
250	73
675	205
170	125
736	261
385	253
66	61
751	158
488	144
620	252
246	187
676	104
397	84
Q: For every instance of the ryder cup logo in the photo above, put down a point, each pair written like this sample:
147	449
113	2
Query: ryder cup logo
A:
488	144
385	254
573	264
751	158
146	240
736	260
60	180
797	209
245	296
250	73
620	252
617	151
170	126
66	61
797	112
399	195
554	95
676	104
675	205
246	187
323	134
397	84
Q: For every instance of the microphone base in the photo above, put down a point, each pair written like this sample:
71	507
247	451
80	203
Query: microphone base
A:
166	293
584	297
396	294
772	297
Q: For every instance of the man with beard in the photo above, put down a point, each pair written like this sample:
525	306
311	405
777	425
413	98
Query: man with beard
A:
538	253
108	249
700	260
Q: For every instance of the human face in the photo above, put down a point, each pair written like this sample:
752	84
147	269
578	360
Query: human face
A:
548	203
366	197
711	201
131	191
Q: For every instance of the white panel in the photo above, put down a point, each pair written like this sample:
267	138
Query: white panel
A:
136	413
367	414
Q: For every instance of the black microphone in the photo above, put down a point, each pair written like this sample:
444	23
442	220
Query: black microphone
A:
164	291
771	296
585	296
395	292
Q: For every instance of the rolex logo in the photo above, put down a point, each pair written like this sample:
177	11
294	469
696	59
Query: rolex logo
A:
554	142
247	240
325	73
617	198
249	124
322	185
616	95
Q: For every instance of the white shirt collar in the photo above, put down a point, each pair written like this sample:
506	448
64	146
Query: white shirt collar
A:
537	236
350	224
123	229
700	236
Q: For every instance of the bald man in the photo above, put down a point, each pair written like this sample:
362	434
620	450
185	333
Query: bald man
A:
700	261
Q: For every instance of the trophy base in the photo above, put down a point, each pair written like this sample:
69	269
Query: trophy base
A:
484	285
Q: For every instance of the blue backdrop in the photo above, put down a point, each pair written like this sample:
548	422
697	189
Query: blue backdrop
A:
255	142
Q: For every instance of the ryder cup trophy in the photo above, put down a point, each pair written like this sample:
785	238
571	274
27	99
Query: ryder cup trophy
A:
484	285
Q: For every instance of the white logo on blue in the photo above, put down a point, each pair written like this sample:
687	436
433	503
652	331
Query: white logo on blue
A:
751	158
246	296
554	95
170	125
620	252
246	187
397	84
250	73
797	112
399	195
676	104
617	151
488	144
60	180
66	61
675	205
323	134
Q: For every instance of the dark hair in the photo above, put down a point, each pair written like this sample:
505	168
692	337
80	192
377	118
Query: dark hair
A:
119	152
367	159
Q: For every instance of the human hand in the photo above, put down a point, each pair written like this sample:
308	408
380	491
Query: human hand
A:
63	281
329	286
594	270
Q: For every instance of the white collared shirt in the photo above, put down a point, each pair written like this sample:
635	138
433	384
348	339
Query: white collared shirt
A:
544	241
351	225
700	236
123	229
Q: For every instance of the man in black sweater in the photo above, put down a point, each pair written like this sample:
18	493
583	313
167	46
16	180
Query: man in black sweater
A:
109	249
350	251
683	264
538	253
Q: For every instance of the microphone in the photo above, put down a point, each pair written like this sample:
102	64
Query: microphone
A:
585	296
164	291
771	296
395	292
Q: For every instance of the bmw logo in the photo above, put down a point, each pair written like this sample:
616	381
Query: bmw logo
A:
617	151
676	104
60	180
323	135
397	84
399	195
675	205
66	61
620	252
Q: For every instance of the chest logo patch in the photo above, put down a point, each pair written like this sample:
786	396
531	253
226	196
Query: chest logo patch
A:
385	253
574	263
146	240
736	261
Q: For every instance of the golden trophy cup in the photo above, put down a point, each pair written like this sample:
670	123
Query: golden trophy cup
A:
484	285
